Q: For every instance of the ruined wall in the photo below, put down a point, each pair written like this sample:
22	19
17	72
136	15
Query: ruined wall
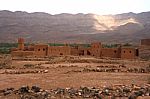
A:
40	50
59	50
95	49
145	42
74	51
86	51
22	53
128	53
29	48
110	52
14	49
80	51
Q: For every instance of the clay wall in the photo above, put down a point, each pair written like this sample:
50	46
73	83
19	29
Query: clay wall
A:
59	50
82	51
95	49
128	53
22	53
41	50
110	52
79	51
95	52
29	48
74	51
14	49
96	45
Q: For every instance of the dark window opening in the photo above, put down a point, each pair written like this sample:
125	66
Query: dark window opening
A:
137	52
43	49
124	51
61	53
88	53
81	52
130	51
38	49
115	51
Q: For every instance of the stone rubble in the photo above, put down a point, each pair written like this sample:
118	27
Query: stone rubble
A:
23	71
109	92
114	70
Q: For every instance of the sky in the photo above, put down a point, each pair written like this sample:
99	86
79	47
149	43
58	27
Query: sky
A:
101	7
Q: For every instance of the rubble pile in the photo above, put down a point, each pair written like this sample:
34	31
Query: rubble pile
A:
5	61
109	92
23	72
114	69
129	70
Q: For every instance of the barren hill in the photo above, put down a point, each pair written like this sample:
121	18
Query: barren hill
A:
74	28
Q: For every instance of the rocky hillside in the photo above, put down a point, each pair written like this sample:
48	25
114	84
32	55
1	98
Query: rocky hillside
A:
74	28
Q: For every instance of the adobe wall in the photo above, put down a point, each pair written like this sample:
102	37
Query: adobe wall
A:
59	50
145	42
40	50
14	49
96	45
95	49
95	52
29	48
128	53
110	52
22	53
74	51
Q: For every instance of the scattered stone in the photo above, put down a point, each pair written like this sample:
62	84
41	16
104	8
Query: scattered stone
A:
23	71
111	92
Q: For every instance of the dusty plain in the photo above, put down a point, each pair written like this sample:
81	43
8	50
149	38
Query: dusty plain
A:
72	71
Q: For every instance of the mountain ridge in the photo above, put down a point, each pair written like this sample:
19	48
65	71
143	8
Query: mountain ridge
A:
73	28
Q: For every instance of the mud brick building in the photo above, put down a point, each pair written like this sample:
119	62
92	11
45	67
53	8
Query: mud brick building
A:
96	49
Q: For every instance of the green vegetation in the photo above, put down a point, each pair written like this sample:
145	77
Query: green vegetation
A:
127	44
110	45
73	45
5	47
53	44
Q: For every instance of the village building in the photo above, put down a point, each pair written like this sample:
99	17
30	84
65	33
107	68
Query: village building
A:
95	49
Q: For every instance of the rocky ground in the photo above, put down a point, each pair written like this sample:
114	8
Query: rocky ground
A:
109	92
74	77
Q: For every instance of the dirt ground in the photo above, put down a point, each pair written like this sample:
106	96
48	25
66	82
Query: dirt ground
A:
72	71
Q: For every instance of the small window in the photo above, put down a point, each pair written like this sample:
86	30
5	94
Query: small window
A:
137	52
115	51
38	49
43	49
124	51
130	51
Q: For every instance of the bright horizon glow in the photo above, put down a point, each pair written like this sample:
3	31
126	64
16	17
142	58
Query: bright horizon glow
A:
101	7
